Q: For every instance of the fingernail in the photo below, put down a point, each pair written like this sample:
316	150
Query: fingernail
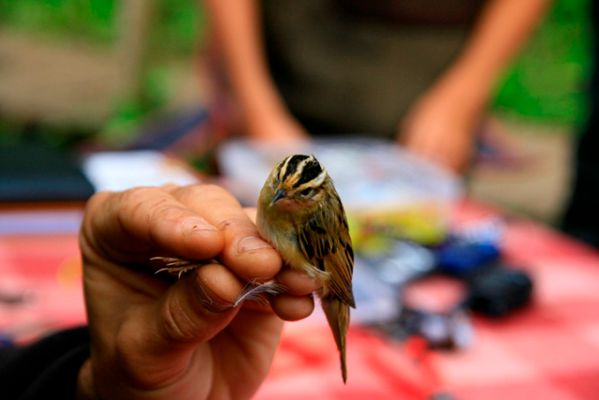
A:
196	224
251	243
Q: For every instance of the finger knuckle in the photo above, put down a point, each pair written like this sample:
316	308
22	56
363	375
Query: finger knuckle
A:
207	192
167	212
138	194
178	325
213	189
238	226
132	202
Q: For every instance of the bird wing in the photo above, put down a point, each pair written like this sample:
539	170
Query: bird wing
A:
325	242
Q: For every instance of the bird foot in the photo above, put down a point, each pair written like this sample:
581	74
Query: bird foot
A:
252	291
176	266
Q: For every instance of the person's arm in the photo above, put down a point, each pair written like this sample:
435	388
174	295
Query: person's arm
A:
237	30
441	125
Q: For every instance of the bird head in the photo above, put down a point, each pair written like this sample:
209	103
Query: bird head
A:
298	184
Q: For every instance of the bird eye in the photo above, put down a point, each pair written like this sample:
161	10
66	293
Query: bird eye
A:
307	192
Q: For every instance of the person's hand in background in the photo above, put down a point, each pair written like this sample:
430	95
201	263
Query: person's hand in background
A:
441	126
442	123
179	339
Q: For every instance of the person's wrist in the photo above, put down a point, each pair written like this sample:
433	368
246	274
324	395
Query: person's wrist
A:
258	113
465	89
258	120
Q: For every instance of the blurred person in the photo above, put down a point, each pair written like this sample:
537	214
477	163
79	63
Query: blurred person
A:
152	337
581	218
416	71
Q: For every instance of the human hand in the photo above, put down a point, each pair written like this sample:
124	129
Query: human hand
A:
163	339
441	127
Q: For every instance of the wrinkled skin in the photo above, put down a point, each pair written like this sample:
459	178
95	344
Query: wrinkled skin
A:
162	338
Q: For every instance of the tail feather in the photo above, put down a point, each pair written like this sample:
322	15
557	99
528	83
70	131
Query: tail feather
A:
337	314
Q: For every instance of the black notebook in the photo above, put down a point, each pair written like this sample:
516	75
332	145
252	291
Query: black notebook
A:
34	172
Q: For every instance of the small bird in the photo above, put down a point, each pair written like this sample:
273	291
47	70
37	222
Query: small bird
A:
301	215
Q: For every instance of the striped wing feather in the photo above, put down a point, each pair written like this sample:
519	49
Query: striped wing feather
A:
326	243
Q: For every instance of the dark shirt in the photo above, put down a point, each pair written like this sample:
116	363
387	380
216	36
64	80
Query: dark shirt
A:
346	69
46	369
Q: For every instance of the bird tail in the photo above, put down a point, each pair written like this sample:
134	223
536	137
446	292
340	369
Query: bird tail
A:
337	314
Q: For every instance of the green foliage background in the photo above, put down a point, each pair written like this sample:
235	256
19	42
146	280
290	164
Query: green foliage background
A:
546	84
548	81
178	25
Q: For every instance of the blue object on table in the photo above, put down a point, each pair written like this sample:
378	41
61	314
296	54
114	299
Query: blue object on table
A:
461	258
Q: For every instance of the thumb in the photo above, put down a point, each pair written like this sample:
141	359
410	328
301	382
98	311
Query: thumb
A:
156	345
197	307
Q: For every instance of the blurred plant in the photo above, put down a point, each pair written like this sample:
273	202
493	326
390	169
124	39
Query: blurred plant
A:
130	113
177	30
547	83
92	19
178	25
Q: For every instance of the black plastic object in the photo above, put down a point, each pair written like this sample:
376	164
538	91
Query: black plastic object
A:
498	290
32	172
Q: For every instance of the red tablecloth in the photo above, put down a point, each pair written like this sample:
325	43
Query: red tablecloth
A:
548	351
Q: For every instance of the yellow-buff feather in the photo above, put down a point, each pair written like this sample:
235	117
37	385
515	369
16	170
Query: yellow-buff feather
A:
300	213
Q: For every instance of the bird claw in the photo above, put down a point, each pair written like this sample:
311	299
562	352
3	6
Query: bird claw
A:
252	291
175	266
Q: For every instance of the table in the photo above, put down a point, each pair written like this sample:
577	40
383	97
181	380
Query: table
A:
40	289
546	351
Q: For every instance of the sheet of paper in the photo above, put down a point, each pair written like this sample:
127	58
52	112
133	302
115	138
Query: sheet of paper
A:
127	169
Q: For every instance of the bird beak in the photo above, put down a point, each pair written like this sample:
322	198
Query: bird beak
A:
279	194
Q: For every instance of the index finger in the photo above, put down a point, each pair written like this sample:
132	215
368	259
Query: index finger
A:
245	252
132	225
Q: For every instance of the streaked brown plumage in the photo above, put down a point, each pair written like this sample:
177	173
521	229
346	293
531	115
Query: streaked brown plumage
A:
300	213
